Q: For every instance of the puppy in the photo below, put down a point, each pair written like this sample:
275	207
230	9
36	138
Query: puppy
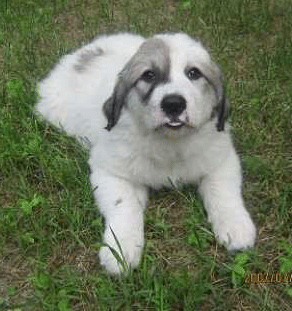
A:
154	112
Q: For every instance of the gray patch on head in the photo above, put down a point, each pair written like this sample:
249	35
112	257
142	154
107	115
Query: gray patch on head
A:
153	54
85	58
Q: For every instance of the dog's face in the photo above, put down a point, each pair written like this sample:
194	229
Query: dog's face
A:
170	86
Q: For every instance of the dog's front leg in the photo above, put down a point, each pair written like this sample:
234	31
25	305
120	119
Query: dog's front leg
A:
122	204
221	192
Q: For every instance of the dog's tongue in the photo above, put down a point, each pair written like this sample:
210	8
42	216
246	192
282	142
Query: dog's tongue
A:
174	124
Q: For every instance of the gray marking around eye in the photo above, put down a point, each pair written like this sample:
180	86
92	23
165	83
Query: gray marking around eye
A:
153	54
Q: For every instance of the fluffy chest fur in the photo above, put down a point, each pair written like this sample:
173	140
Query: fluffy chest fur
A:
154	161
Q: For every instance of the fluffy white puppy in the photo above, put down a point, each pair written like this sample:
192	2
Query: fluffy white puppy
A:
154	112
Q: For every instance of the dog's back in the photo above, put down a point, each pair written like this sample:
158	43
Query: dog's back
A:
72	95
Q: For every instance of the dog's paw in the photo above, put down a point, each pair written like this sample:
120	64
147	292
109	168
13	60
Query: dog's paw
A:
236	233
108	260
115	263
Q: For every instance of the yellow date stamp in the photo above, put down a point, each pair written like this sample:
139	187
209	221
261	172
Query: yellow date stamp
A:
268	278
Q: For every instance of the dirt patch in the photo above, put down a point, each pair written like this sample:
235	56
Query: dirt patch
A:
15	286
72	23
82	259
171	211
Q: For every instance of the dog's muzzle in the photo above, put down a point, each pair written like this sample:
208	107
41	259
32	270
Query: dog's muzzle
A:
173	106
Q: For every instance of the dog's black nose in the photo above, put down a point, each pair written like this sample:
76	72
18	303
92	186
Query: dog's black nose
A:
173	105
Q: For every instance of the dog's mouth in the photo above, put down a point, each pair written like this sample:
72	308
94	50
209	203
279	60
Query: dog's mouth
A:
174	125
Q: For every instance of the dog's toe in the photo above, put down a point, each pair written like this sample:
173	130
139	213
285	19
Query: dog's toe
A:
237	234
108	260
115	263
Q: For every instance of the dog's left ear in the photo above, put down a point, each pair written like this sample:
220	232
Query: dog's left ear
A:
213	74
112	108
222	111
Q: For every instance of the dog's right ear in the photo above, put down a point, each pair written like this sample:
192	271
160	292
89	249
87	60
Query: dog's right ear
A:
112	108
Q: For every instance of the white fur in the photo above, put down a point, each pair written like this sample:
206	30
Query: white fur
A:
133	155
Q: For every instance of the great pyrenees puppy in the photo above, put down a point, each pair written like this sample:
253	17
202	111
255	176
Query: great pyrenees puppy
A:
154	112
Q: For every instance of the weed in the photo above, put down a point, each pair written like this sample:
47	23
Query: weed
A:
238	268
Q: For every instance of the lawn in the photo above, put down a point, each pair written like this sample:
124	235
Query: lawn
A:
50	228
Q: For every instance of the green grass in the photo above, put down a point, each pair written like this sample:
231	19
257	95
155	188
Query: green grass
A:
50	229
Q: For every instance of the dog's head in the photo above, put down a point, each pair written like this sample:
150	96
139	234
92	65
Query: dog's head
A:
170	84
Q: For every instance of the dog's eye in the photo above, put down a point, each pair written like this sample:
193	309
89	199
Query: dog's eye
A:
148	76
194	74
